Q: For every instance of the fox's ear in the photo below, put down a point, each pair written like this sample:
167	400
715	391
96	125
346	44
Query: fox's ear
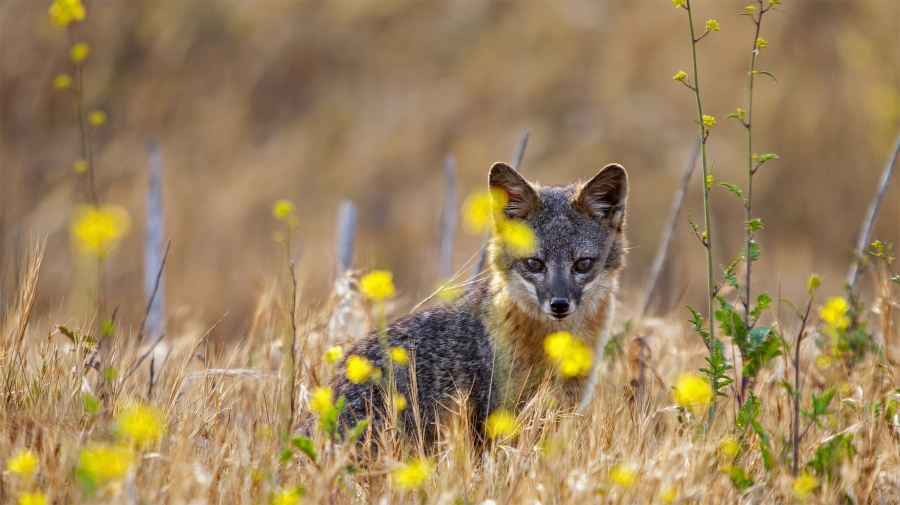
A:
603	197
522	198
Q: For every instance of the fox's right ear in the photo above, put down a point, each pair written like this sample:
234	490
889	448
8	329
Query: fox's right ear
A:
522	198
604	196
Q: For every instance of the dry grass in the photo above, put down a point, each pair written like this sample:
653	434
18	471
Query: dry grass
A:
226	416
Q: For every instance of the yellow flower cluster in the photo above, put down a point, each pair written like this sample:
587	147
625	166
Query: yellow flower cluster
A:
287	497
761	43
680	3
692	391
97	118
80	52
282	209
482	209
97	230
804	486
750	9
835	313
712	25
23	464
518	237
80	166
32	499
62	82
813	283
502	424
568	354
668	494
65	12
377	284
622	475
729	446
708	122
322	400
140	424
360	369
399	356
413	475
101	464
400	403
334	354
680	76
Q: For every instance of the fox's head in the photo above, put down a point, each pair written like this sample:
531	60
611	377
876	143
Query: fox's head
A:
580	242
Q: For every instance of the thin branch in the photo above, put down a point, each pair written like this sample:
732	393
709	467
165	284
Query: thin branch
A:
663	251
162	264
871	217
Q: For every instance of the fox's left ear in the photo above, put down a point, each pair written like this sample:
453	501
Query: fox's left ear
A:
603	197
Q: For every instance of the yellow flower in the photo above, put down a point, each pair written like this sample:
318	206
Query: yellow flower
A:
668	494
322	400
518	237
141	424
708	121
97	118
413	475
80	52
761	43
62	82
712	25
359	369
803	487
813	283
778	2
730	446
32	499
80	166
824	361
680	76
23	463
287	497
399	356
482	209
334	354
691	390
680	3
569	354
709	181
400	403
97	231
377	284
750	9
835	313
103	463
64	12
502	424
622	475
283	209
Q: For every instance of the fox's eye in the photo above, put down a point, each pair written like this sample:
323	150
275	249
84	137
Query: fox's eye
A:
534	264
584	264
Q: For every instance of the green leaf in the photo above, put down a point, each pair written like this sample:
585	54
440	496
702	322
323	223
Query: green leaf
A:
739	477
306	446
754	254
357	430
757	336
759	357
286	456
91	405
753	225
763	72
748	413
766	157
68	333
763	445
763	302
830	455
733	325
697	321
734	189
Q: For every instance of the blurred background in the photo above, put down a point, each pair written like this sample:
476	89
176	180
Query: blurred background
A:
321	101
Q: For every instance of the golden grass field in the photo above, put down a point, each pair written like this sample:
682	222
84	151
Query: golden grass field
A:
223	414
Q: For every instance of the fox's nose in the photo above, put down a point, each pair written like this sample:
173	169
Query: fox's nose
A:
559	305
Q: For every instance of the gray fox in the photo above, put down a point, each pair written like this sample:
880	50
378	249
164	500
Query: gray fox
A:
489	344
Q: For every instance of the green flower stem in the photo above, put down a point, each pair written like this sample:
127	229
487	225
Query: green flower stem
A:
86	153
708	241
